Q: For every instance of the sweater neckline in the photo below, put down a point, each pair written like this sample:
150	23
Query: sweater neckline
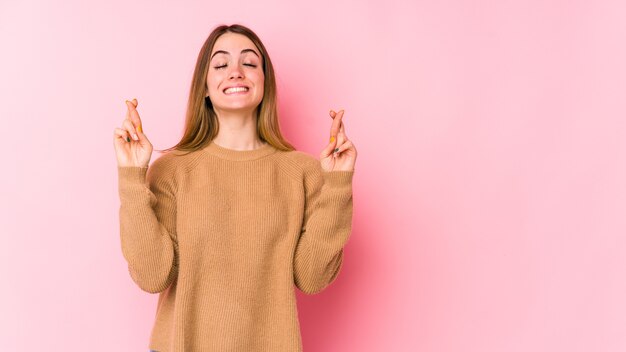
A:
238	155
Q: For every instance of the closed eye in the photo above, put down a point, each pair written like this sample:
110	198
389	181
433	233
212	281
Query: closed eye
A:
218	67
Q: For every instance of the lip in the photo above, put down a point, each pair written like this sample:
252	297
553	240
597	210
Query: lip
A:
235	86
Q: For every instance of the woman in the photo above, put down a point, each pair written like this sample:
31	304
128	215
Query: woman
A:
226	222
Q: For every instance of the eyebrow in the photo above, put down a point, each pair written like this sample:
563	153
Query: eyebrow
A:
227	53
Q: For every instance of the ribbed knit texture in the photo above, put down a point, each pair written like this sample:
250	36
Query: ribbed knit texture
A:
224	236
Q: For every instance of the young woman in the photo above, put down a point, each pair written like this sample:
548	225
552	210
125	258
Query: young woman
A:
225	223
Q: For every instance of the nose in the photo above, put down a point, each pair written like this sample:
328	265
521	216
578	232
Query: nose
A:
235	72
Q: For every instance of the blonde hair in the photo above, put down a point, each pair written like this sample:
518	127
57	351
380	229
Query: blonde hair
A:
201	123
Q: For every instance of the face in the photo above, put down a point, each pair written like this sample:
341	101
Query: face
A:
235	61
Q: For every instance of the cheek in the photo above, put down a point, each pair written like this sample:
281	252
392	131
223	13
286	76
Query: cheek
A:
260	89
260	82
212	84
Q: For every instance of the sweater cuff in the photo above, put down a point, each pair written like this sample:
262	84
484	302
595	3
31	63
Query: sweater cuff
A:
132	174
338	178
132	184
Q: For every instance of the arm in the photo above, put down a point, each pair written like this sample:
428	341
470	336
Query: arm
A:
148	224
326	227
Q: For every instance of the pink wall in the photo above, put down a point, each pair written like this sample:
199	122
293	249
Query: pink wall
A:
490	187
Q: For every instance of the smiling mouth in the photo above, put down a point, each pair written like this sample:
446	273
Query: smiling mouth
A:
237	90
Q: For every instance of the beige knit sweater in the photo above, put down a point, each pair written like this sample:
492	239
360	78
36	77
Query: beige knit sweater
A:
224	235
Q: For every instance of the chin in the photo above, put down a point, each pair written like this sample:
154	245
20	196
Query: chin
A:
235	107
243	105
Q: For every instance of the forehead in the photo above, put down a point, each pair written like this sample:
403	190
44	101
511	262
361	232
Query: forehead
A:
234	43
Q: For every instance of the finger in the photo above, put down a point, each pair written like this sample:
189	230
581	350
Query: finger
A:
341	129
341	137
122	133
128	126
330	148
140	127
134	114
127	111
133	118
347	145
334	128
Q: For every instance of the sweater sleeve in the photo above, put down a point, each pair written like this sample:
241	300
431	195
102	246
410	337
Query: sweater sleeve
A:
148	224
326	227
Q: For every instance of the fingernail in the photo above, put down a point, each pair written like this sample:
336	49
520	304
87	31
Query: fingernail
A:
139	129
336	150
127	139
135	136
332	139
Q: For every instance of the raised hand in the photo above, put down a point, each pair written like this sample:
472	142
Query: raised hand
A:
340	153
132	147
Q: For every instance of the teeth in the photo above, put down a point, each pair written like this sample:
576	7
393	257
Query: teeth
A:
235	90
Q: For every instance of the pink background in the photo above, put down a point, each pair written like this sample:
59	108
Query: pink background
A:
490	197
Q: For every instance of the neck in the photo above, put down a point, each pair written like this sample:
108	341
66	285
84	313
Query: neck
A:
238	130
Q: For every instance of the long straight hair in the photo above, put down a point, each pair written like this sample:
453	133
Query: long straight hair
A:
201	123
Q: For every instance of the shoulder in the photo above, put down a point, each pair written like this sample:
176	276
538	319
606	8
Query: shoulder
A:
302	159
164	164
175	159
304	167
168	165
300	163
